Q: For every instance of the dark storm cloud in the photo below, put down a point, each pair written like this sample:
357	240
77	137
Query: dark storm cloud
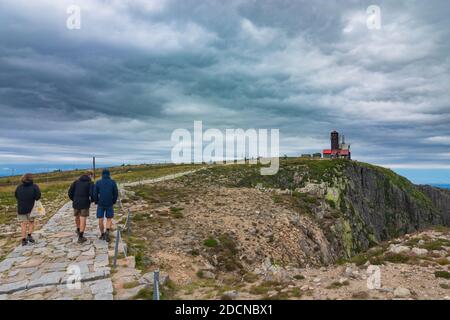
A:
139	69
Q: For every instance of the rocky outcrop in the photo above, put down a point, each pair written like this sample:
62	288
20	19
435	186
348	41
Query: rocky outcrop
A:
440	199
355	204
377	205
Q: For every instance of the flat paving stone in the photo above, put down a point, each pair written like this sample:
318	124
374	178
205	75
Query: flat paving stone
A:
101	296
42	270
14	286
33	262
102	287
47	279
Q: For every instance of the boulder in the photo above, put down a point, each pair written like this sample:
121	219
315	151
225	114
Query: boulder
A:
208	274
230	295
399	249
401	292
343	280
147	278
419	252
278	276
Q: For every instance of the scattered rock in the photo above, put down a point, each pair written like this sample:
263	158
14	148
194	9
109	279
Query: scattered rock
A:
399	249
419	252
148	278
129	262
127	294
401	292
208	275
230	295
343	280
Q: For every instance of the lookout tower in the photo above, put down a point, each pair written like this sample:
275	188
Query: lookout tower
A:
338	150
334	140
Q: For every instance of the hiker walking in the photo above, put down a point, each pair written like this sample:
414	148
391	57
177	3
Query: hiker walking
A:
81	193
105	196
27	193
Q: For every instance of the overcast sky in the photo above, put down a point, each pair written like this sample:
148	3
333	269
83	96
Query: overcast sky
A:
137	70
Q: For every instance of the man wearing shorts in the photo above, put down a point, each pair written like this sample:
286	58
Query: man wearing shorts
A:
105	196
27	193
81	193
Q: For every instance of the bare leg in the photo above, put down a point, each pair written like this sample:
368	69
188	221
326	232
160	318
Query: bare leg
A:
30	227
101	226
23	226
108	223
82	224
77	221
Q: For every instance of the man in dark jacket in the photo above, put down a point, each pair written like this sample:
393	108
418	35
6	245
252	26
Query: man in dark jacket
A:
26	194
105	196
81	193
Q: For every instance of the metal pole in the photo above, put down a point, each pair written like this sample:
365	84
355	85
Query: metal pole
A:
116	247
156	285
93	165
125	250
128	223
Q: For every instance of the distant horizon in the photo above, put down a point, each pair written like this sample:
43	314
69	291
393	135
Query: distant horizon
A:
435	177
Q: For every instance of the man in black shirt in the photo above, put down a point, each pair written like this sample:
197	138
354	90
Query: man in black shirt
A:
81	193
27	194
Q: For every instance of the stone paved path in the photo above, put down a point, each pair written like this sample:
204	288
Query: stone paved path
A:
42	271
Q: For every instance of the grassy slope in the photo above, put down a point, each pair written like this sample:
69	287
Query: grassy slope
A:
401	182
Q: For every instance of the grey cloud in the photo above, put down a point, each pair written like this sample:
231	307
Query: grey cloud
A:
138	70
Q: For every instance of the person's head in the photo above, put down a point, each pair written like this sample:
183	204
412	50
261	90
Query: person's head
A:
106	173
27	178
90	174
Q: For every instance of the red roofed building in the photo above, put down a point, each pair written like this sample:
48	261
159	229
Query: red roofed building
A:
338	150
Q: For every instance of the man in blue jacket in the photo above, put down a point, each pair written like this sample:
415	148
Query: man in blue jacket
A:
105	196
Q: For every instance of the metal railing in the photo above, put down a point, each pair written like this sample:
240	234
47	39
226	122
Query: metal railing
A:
118	240
156	285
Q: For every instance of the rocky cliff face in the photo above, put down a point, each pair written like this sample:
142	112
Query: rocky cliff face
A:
378	205
440	199
317	211
367	204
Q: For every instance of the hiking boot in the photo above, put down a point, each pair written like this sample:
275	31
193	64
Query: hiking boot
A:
81	239
102	237
30	239
24	242
107	239
78	232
